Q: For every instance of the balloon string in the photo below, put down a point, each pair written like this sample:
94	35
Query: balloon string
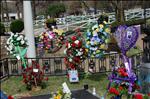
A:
23	60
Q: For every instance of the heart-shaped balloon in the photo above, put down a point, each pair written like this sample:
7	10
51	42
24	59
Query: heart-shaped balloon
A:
126	37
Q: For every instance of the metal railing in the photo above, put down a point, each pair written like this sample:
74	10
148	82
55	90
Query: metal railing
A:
56	65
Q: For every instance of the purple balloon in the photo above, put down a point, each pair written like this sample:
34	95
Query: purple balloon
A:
126	37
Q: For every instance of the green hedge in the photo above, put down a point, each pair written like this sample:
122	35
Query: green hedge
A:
16	26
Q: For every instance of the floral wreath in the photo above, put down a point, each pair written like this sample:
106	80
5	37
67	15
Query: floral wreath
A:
47	38
74	51
96	39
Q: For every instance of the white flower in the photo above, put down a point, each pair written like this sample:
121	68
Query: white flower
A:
22	42
70	59
65	51
81	49
76	41
21	36
18	38
18	57
15	35
69	46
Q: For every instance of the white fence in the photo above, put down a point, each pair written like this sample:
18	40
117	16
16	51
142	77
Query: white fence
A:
81	21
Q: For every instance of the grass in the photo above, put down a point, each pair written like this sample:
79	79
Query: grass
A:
14	84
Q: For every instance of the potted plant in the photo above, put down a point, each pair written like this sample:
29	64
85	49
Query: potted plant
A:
16	26
50	22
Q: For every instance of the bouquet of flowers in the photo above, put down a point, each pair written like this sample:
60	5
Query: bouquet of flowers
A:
17	46
75	52
34	76
61	95
120	82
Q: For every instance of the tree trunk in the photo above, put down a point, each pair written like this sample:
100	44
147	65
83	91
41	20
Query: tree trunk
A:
18	10
95	7
1	9
7	15
119	11
34	9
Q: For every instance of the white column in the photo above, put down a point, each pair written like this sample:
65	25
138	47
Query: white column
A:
28	27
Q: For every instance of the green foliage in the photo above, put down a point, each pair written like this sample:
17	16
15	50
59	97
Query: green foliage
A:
29	87
56	9
50	20
2	28
43	85
16	26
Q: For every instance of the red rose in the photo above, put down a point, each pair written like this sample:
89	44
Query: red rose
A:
114	91
73	44
148	94
73	38
138	96
10	97
72	66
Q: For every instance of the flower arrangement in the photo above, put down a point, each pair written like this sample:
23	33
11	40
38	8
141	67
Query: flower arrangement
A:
17	46
120	82
97	38
44	40
14	41
123	80
51	41
60	94
74	51
34	76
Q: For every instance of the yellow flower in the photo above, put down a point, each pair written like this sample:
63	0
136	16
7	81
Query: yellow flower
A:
102	46
105	22
97	30
88	42
86	50
107	30
58	31
101	26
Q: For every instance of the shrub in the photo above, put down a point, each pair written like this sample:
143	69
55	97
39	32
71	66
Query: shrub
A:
2	29
102	18
16	26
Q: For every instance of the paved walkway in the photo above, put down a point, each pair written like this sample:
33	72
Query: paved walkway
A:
78	94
